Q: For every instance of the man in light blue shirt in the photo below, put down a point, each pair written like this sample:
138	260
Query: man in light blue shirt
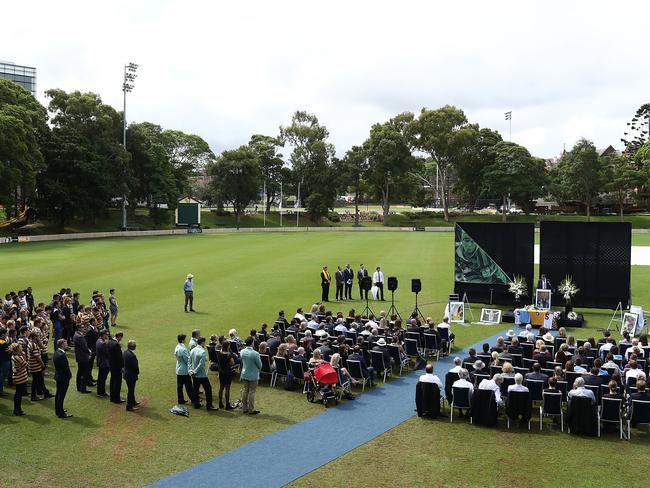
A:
188	288
199	371
250	375
183	372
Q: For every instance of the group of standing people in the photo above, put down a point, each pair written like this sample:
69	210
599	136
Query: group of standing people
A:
344	280
24	338
194	361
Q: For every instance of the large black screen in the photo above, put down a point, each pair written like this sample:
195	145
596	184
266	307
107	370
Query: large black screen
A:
488	255
596	255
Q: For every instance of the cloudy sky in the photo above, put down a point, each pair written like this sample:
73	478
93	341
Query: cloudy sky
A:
226	70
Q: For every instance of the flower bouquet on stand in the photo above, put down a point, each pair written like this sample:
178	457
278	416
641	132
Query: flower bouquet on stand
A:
568	289
519	289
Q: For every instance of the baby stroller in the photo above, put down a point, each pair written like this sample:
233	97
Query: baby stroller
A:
322	384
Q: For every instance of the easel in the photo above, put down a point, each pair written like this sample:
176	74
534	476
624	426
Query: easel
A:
619	309
465	300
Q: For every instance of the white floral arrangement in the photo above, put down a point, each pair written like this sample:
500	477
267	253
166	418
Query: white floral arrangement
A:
572	316
568	288
518	287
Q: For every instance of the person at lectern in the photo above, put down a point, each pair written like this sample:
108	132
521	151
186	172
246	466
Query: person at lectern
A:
326	279
544	283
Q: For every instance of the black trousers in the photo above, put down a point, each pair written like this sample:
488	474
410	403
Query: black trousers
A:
325	297
89	379
38	385
61	390
130	396
21	391
381	290
184	380
82	375
348	291
339	291
101	380
116	384
363	294
189	299
207	388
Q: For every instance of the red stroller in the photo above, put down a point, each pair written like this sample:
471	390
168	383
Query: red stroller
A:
322	384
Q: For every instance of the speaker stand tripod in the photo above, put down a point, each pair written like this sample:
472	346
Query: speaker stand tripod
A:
367	312
416	310
392	310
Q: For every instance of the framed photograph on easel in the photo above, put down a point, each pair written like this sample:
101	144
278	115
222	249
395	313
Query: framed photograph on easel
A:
543	299
629	323
490	316
457	312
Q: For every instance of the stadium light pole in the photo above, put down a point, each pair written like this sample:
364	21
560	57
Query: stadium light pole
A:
280	204
127	86
298	205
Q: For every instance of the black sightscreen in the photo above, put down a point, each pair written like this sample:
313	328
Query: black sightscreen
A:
596	255
488	255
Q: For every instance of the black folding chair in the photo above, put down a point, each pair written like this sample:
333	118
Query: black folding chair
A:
521	371
517	360
444	335
266	367
507	381
413	335
468	366
378	363
596	390
478	377
528	363
393	349
431	345
528	349
536	387
551	407
450	378
460	400
518	404
354	368
571	377
495	370
298	372
610	411
412	349
639	414
281	368
562	387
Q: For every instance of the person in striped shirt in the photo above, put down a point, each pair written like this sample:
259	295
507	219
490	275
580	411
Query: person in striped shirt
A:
36	367
19	374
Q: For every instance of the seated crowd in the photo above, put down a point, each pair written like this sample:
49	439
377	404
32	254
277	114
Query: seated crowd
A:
28	328
294	346
543	364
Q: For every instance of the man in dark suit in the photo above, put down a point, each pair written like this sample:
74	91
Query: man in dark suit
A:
340	282
131	372
593	378
103	363
91	339
325	280
544	283
348	274
82	356
62	375
537	374
116	363
361	274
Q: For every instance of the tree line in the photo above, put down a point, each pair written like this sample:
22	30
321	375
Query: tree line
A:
67	160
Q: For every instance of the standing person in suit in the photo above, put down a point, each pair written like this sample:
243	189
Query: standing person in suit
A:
361	274
199	370
250	375
62	376
91	339
82	357
103	362
325	280
340	282
349	279
188	289
183	379
131	372
116	363
18	376
378	280
544	283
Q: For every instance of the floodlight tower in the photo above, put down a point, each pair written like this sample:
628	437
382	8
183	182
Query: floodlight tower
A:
127	86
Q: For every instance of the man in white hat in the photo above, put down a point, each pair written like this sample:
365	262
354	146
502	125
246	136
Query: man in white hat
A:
380	345
188	288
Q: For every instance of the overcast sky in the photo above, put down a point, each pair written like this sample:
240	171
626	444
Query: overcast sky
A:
226	70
